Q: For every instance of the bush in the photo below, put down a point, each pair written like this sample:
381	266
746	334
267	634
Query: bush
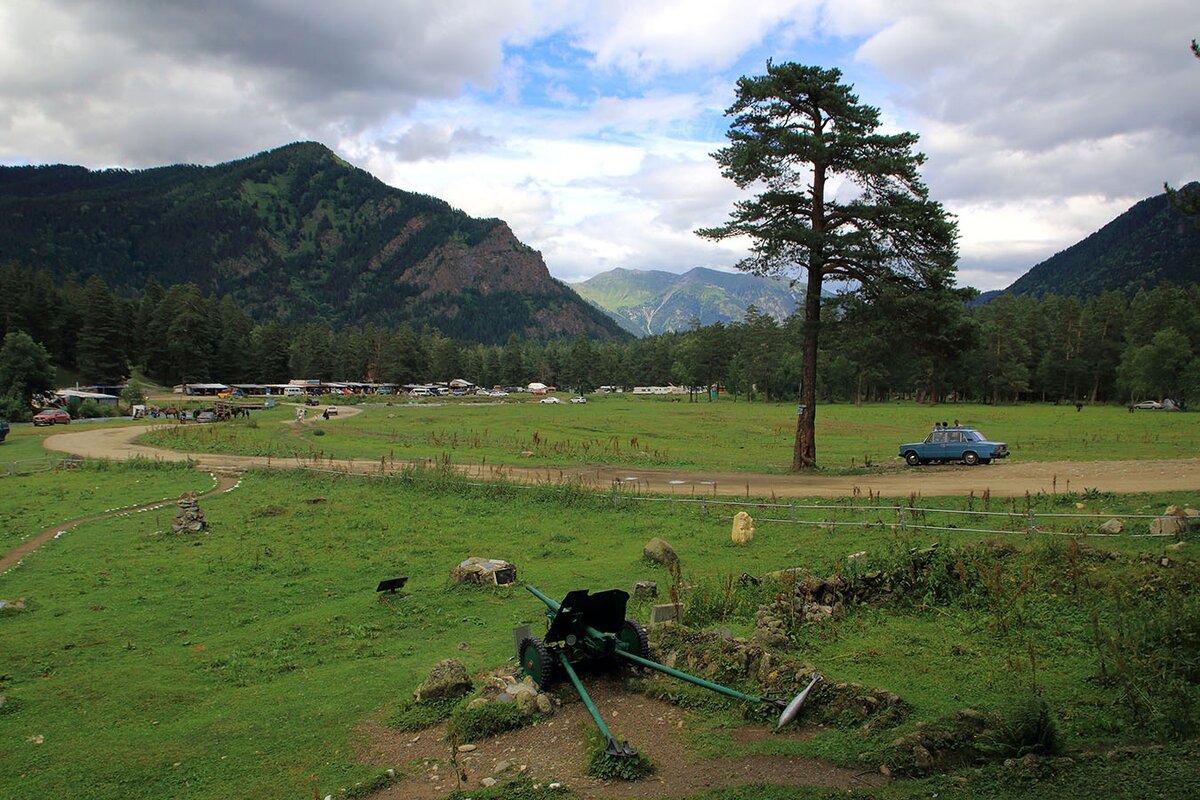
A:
1027	727
90	409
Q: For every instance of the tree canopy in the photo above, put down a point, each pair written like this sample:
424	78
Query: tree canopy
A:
835	200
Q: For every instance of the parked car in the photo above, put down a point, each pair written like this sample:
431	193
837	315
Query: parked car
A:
3	429
331	411
580	400
549	400
312	401
206	416
51	416
1149	404
953	444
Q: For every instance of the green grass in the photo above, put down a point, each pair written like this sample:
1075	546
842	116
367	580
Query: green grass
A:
243	662
32	503
654	432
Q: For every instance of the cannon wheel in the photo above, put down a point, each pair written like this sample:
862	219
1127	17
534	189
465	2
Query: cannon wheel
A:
633	638
535	661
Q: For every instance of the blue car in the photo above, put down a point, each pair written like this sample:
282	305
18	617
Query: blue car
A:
953	444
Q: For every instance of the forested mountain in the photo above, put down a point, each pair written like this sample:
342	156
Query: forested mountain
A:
293	235
1152	243
646	302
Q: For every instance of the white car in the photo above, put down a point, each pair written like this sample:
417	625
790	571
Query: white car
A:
580	400
550	401
1149	404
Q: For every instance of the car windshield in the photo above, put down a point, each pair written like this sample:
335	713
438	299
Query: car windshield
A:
973	436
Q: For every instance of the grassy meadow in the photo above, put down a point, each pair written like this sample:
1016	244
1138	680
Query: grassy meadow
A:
243	662
655	432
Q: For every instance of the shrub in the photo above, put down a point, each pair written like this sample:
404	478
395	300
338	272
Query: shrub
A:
1027	727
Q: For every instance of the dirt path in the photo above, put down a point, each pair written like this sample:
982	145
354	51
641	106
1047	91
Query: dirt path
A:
1001	479
554	751
224	483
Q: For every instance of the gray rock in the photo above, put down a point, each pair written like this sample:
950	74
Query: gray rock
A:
544	706
658	550
922	758
448	679
1113	526
1166	526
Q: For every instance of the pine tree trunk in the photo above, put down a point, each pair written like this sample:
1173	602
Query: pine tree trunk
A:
804	454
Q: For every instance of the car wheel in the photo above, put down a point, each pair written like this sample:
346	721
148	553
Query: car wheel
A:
970	458
911	458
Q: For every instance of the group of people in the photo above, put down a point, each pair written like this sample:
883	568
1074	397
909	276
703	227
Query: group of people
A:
944	426
302	414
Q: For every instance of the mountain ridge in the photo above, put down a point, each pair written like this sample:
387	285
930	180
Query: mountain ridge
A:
1151	243
295	234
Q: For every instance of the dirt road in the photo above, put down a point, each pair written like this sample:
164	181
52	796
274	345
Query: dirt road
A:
1002	479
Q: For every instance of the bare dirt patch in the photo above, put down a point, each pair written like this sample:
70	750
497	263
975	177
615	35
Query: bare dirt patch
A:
555	751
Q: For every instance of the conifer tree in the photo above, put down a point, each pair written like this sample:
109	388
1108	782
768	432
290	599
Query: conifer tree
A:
797	134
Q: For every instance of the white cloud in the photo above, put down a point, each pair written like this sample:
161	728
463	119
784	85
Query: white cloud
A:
587	124
645	39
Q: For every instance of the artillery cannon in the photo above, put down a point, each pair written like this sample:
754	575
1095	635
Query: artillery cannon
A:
592	629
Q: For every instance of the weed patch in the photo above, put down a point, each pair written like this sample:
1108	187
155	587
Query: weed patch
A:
605	767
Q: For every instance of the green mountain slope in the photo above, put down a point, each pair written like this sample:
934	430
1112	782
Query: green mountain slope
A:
294	234
647	302
1149	244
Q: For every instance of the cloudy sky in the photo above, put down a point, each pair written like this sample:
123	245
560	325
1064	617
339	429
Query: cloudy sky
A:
588	124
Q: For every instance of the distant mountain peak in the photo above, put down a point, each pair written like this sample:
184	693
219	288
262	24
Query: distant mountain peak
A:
647	302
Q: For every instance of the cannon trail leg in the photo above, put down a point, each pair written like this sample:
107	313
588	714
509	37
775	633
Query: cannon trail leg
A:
613	748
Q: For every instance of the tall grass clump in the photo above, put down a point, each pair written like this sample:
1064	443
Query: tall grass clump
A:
1150	652
605	767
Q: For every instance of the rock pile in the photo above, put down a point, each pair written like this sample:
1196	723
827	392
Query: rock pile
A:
506	687
189	518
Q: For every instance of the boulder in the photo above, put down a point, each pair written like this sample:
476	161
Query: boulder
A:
658	550
1166	526
1113	526
743	528
526	703
448	679
644	590
484	570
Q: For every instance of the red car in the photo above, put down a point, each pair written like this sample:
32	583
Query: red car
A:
51	416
